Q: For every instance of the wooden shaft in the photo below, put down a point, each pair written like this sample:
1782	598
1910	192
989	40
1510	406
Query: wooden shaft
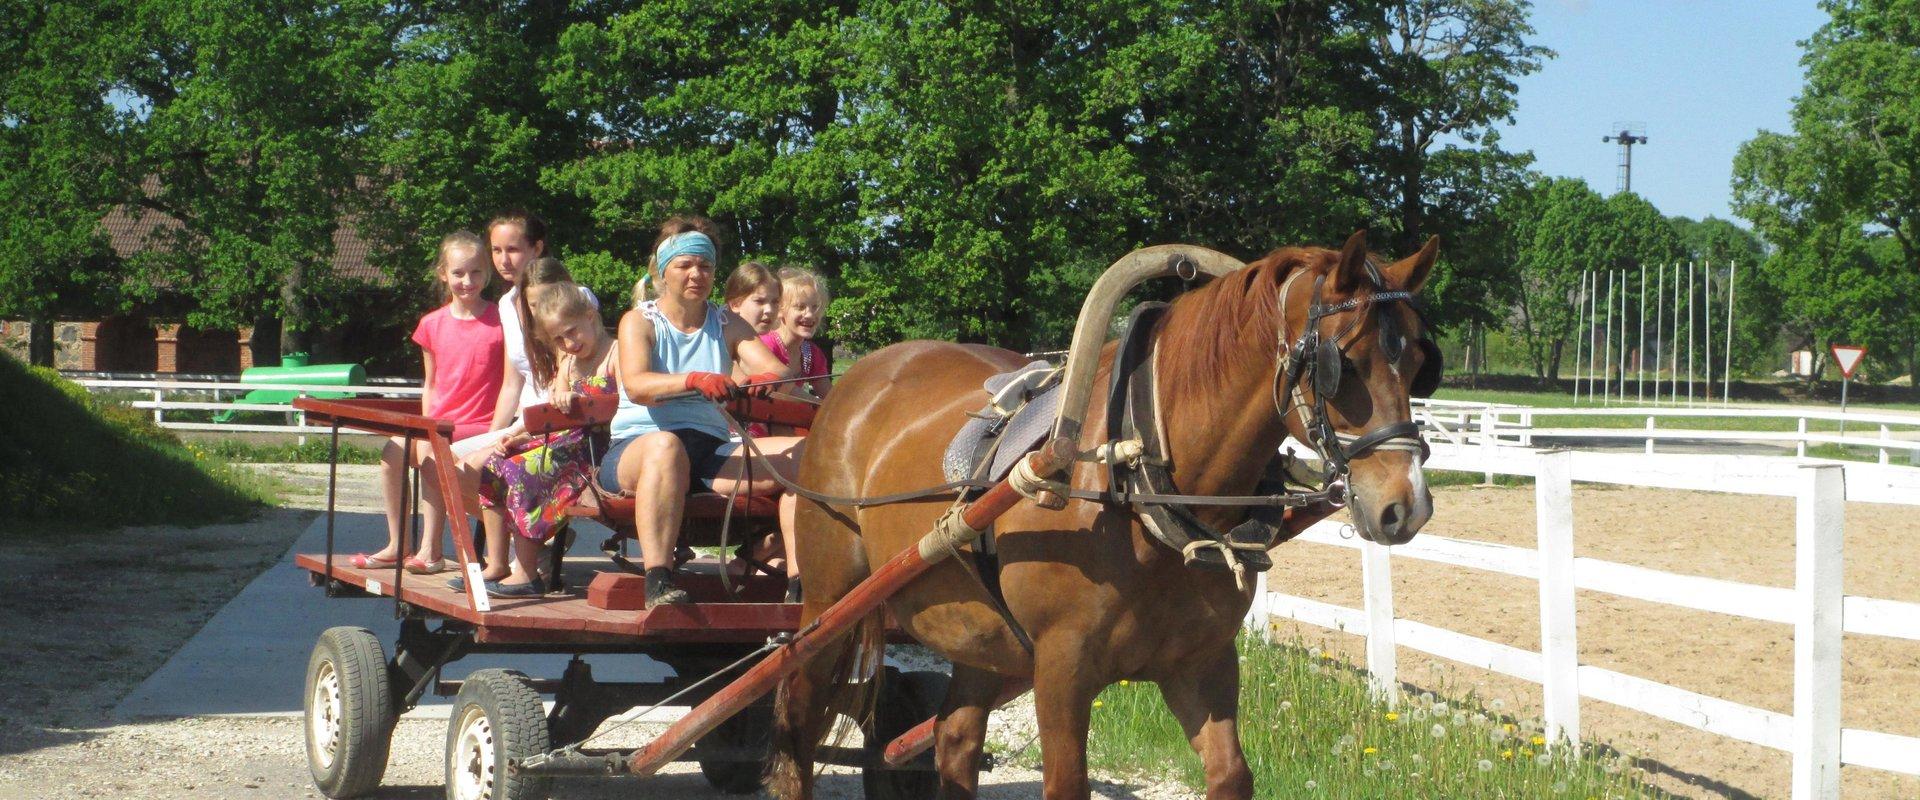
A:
839	618
916	741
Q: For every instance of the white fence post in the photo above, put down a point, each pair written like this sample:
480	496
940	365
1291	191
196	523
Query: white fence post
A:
1487	443
1559	645
1376	579
1885	436
1800	449
1257	620
1649	434
1819	517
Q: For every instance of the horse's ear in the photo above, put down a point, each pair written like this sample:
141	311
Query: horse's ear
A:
1352	269
1410	273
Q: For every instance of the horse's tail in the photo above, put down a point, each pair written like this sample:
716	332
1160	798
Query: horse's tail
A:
808	697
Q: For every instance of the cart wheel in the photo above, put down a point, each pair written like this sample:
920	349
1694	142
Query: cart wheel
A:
497	717
906	699
752	729
349	712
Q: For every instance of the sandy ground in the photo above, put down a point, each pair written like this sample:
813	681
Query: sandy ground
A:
89	617
1748	539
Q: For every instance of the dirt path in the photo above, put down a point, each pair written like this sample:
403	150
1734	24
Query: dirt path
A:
1742	538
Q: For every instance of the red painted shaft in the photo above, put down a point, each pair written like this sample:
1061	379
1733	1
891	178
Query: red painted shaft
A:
916	740
839	618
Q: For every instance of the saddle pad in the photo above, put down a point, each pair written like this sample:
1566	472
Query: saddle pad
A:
1028	427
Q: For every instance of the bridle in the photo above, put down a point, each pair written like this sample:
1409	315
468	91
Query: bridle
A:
1317	361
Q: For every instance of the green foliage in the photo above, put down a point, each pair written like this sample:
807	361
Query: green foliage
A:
1839	196
1311	729
57	178
1560	228
78	462
315	451
245	129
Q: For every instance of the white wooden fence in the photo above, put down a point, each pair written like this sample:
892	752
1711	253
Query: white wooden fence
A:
1459	422
203	393
1815	606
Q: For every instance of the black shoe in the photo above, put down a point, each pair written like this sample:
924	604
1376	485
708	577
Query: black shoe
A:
661	591
793	589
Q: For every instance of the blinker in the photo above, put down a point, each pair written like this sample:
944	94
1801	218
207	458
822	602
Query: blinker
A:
1326	369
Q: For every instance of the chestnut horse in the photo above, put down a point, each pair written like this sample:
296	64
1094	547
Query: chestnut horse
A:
1100	599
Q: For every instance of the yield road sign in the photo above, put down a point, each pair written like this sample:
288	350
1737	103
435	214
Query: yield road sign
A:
1848	356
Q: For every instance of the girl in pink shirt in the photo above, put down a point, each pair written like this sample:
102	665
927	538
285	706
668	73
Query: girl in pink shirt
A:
463	357
802	297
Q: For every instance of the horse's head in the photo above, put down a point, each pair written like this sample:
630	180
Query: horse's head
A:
1356	349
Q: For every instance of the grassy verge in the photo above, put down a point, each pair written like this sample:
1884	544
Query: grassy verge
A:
313	452
1311	729
79	462
1547	399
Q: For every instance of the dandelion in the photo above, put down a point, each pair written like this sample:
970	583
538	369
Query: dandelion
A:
1439	731
1286	705
1099	703
1369	772
1418	759
1506	754
1414	775
1391	716
1508	726
1544	759
1312	785
1459	718
1386	766
1539	740
1485	765
1479	719
1440	709
1370	750
1498	735
1559	787
1497	705
1347	740
1123	681
1526	751
1419	715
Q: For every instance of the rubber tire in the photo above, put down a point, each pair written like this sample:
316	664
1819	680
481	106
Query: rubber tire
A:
906	699
518	722
753	726
358	664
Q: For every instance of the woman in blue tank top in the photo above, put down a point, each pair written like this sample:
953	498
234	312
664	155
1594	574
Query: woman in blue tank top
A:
676	342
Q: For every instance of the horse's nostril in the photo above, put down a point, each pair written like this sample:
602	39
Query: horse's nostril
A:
1392	516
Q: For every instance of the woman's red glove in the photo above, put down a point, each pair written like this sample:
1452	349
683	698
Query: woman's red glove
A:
761	385
713	385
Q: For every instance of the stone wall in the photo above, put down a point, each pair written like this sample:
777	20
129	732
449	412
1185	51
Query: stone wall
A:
67	350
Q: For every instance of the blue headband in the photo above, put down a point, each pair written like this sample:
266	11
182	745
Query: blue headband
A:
689	243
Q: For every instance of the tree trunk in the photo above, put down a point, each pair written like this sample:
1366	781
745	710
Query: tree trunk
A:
1553	360
40	342
294	336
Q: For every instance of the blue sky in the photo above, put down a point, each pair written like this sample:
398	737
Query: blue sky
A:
1703	77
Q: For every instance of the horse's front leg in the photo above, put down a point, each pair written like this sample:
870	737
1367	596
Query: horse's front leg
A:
1064	686
962	731
1205	699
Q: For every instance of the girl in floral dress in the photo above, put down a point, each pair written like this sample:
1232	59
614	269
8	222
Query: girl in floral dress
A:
530	480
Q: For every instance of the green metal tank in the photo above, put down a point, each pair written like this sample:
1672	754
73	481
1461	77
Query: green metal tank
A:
294	369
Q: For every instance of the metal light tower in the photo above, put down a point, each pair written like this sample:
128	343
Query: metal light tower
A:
1631	133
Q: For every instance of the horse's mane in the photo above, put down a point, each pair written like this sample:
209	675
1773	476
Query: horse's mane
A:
1230	324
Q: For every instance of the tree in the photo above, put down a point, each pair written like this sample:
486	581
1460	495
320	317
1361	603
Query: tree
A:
1846	177
1440	69
731	110
248	133
1561	228
460	127
57	137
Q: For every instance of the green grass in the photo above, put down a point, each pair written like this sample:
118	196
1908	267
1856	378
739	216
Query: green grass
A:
313	452
1548	399
79	462
1311	730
